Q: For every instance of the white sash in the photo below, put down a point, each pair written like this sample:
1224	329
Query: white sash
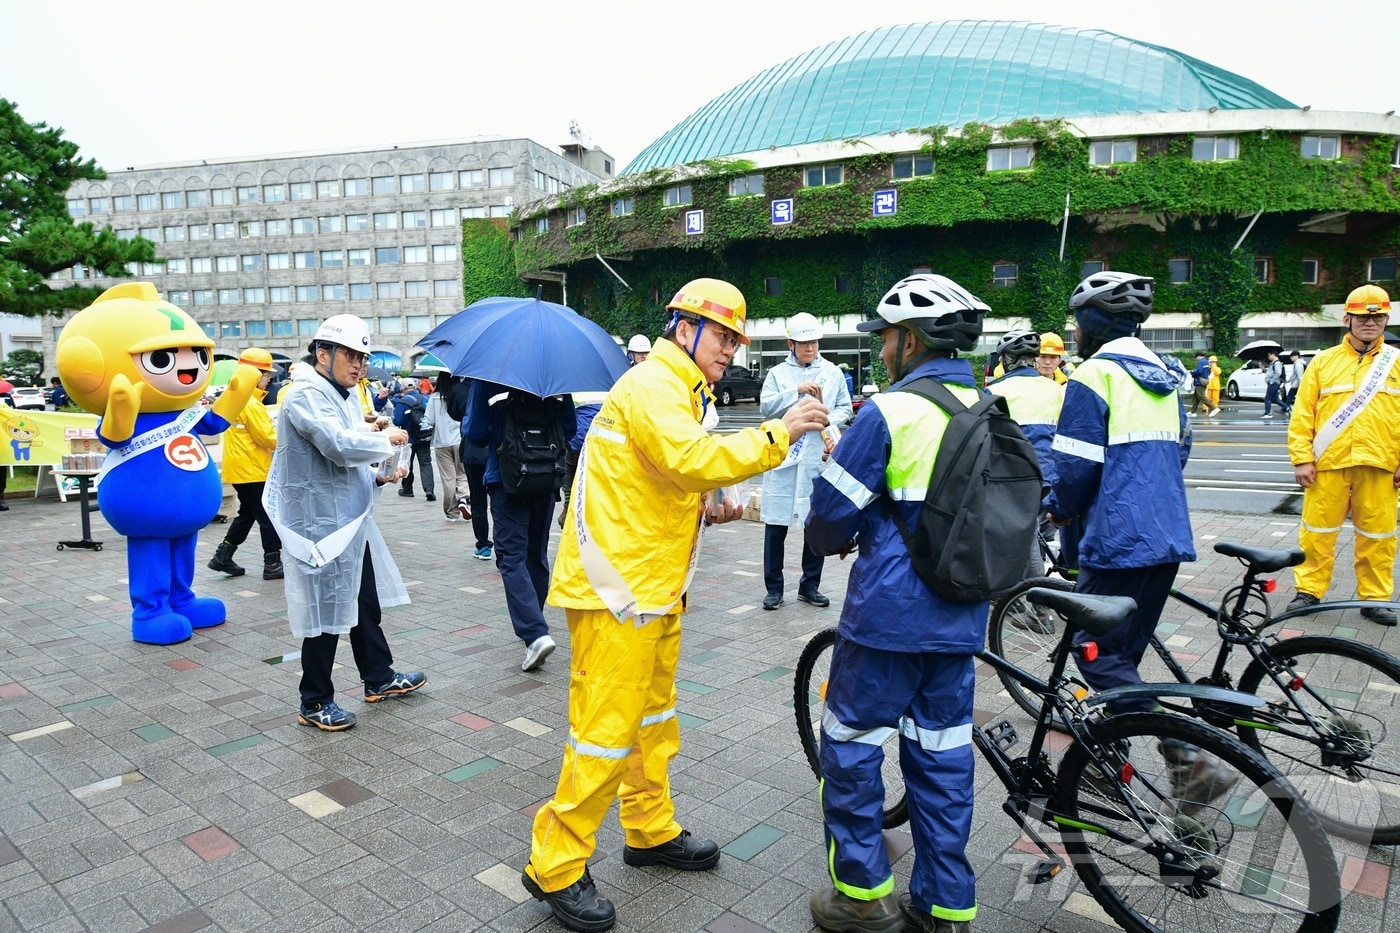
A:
604	577
1375	378
152	439
312	553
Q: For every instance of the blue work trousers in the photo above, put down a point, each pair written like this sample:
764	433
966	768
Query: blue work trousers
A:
774	537
522	557
1121	650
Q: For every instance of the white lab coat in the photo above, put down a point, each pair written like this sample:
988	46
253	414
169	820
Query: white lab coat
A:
787	488
322	479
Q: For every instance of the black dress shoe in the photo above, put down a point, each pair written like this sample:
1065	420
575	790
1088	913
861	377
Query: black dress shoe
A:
683	853
578	906
815	598
772	600
1379	614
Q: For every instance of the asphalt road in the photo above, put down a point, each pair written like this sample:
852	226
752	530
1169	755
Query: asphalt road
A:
1239	463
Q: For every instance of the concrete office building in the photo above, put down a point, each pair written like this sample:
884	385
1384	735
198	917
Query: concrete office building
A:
260	250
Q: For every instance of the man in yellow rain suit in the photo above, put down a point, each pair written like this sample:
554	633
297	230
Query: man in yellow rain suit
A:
625	562
1342	441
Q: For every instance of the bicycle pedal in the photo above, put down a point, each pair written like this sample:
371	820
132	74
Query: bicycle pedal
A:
1044	871
1002	734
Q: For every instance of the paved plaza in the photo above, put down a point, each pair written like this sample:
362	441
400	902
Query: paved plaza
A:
171	789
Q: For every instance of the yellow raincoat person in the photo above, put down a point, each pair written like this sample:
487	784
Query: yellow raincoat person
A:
626	559
1342	443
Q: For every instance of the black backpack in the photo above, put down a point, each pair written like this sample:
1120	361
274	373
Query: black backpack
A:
533	446
413	422
980	515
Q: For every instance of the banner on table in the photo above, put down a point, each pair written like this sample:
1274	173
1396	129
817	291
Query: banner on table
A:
32	438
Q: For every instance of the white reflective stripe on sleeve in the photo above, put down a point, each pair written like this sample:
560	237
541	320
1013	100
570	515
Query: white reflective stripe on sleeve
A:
1135	436
597	751
1375	537
1335	390
497	399
839	732
1322	531
909	494
937	740
1076	448
595	431
848	486
1051	422
658	717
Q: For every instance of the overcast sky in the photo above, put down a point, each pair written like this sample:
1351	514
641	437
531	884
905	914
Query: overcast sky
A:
138	82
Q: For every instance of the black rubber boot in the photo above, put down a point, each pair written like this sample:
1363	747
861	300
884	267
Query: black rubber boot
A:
272	565
222	561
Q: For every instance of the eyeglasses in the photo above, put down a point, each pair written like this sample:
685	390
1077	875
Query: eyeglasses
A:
355	358
728	340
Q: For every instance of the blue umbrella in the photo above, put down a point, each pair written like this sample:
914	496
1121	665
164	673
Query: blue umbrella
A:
528	344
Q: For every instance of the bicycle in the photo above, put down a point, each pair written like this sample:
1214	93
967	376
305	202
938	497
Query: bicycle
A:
1155	853
1332	722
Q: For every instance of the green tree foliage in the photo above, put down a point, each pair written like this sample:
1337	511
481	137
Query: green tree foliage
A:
37	236
23	366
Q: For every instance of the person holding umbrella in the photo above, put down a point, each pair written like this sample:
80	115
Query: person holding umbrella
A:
643	493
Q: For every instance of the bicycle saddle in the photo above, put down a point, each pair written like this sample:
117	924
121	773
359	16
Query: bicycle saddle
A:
1096	615
1261	559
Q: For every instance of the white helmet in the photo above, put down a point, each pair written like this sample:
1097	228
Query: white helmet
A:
940	312
344	330
639	344
802	327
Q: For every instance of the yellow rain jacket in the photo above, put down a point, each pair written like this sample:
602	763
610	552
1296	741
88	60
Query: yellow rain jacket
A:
1328	382
648	461
249	443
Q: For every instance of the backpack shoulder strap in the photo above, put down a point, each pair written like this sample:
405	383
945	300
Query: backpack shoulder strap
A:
936	392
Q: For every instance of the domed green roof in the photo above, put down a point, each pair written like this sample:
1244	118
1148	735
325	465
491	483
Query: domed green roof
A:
948	74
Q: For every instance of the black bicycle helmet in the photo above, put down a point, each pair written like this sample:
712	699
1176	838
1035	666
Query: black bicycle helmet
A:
1018	343
1116	293
941	313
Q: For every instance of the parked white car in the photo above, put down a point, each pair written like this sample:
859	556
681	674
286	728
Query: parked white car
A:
1247	382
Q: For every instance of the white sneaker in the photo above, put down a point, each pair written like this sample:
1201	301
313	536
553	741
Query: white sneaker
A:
451	518
1267	418
1214	412
539	649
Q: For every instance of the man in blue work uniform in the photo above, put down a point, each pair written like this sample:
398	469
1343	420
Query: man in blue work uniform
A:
903	656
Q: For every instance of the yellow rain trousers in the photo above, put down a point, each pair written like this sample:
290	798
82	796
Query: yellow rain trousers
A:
622	696
1369	494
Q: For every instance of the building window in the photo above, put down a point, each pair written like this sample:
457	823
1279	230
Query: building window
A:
222	197
621	207
473	213
413	219
1215	148
332	223
416	289
178	297
131	235
332	292
386	290
391	325
226	263
472	178
912	166
413	254
499	210
1005	274
299	191
356	222
1178	271
174	234
1321	147
275	227
411	184
446	288
211	330
150	268
150	233
332	259
306	327
307	293
357	257
198	198
282	328
1311	268
355	187
230	329
255	296
815	176
303	260
772	286
746	185
273	194
228	296
420	323
251	263
675	196
201	265
280	295
1381	269
250	228
575	216
1007	158
386	256
443	217
101	205
202	296
248	194
501	177
326	190
146	202
843	285
123	203
360	291
440	181
385	184
1112	151
175	267
541	225
388	220
1394	163
172	200
303	226
197	231
225	231
1091	267
1261	271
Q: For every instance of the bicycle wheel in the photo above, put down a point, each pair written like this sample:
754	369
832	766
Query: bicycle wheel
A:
1352	692
1026	635
1202	834
808	696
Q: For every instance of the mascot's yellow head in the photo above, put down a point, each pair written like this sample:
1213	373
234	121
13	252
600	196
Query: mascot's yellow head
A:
131	330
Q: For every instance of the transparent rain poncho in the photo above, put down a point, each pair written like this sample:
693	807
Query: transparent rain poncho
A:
320	494
787	488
